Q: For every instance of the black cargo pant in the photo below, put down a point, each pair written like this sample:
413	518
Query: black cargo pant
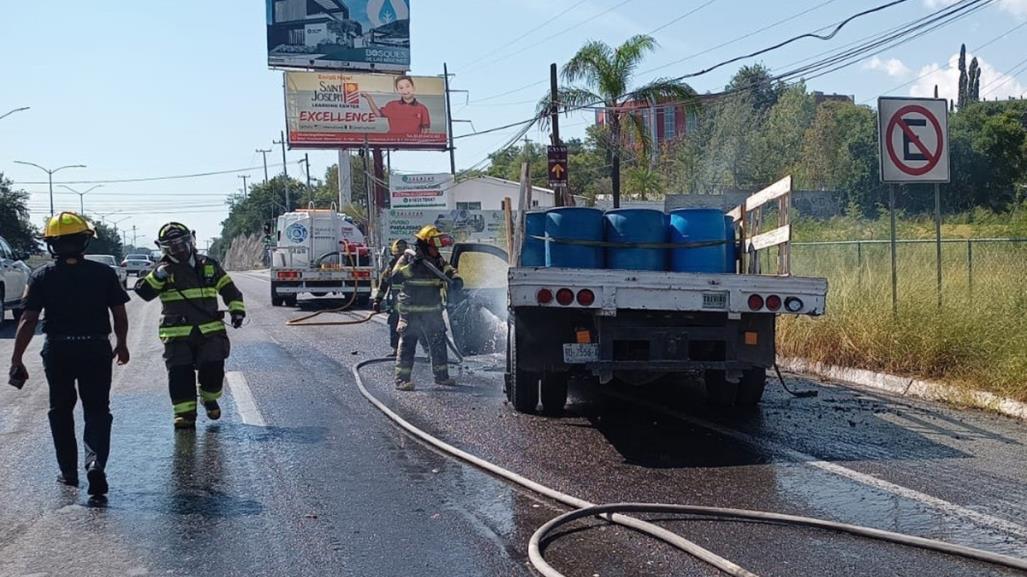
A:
418	326
195	356
87	363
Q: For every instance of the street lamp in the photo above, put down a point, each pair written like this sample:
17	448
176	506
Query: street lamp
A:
49	174
106	214
81	195
6	114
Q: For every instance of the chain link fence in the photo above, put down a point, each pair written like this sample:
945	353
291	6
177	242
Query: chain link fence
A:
975	273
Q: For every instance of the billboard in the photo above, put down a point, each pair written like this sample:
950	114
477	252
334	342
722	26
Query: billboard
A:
464	225
339	34
420	190
342	110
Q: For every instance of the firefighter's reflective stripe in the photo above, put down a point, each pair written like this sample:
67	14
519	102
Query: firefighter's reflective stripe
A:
412	309
175	332
237	307
429	282
191	294
183	408
154	282
212	327
207	396
223	282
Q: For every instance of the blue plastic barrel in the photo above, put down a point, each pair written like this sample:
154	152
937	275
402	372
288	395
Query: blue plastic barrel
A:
732	249
698	225
574	223
533	250
636	225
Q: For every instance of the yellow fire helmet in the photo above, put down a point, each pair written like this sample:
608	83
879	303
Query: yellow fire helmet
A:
399	247
430	234
67	224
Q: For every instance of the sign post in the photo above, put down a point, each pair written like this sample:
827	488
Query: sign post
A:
558	171
914	148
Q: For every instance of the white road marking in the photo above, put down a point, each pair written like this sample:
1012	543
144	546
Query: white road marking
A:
244	403
836	469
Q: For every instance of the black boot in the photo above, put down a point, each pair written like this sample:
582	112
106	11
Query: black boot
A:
97	480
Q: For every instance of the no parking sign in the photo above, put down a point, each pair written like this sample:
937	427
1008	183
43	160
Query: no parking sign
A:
914	139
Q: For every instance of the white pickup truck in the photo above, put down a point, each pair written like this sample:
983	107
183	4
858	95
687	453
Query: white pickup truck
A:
639	326
318	252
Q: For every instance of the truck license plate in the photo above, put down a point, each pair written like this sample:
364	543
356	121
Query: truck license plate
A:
716	300
577	353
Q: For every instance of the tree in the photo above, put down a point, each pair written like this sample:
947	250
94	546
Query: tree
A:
988	142
757	81
644	184
779	147
15	220
106	241
602	75
973	81
964	80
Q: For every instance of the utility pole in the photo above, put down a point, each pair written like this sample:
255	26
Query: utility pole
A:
345	179
449	121
49	174
285	170
306	162
245	189
134	237
263	152
81	196
554	119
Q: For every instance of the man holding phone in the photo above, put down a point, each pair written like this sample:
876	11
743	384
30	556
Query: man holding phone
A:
76	294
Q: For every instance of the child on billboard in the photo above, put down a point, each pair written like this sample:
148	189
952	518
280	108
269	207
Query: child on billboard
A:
406	115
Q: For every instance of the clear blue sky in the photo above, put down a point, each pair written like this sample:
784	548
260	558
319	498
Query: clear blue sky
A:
161	87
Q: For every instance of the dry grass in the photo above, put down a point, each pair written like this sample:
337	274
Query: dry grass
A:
977	338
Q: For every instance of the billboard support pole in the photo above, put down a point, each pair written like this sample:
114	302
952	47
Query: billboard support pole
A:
372	211
449	121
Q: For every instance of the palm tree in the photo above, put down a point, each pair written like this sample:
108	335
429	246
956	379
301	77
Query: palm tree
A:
644	183
600	75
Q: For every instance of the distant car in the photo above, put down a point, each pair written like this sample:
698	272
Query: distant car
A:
139	256
14	277
112	262
136	266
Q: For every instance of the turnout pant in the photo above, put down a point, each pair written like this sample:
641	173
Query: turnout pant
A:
413	327
87	363
393	328
192	356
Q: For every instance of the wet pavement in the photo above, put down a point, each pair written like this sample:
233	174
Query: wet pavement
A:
310	479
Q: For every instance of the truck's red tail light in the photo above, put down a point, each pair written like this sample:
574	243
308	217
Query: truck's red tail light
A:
774	303
565	296
586	297
755	302
544	296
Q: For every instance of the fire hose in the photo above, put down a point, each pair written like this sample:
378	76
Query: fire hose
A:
615	512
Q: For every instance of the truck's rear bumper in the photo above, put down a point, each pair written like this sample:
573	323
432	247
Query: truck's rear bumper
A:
292	287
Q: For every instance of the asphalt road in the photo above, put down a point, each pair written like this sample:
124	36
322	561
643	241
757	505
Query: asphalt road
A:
303	477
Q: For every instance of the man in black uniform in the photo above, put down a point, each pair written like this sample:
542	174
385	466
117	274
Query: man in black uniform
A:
76	294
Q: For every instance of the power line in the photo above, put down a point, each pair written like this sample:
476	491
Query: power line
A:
680	18
155	178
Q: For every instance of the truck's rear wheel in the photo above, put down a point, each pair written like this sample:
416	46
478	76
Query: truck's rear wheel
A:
720	391
521	386
554	393
290	300
276	301
750	389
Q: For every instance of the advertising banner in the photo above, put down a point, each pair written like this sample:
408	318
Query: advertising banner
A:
465	225
339	34
341	110
420	190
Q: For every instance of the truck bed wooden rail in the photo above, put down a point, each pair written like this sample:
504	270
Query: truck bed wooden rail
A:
749	217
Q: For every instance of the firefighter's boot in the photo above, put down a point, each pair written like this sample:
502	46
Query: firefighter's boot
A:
185	421
213	410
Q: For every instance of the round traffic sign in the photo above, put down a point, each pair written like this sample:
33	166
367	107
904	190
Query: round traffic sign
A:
897	121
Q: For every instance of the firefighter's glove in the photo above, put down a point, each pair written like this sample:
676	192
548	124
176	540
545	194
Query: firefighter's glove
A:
376	306
237	318
456	284
161	272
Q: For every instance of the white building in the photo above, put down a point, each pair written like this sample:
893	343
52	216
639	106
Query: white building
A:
488	192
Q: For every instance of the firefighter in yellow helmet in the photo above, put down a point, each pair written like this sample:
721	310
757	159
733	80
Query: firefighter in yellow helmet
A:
192	328
76	294
425	274
388	291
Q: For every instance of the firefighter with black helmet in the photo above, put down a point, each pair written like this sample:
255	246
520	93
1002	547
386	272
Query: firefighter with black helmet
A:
425	275
192	328
388	290
76	294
